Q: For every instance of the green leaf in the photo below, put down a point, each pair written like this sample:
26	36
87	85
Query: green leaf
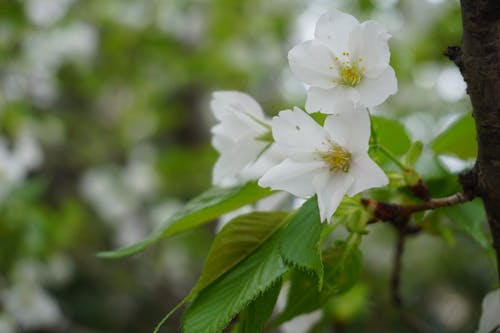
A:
255	316
390	134
300	245
319	117
469	218
236	241
201	209
216	305
342	271
459	139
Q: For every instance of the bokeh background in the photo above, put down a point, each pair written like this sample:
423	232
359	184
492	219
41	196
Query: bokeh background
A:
105	132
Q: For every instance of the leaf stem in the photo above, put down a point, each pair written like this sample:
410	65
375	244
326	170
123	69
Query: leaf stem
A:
391	156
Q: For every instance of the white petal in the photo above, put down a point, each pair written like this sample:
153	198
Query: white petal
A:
333	29
369	41
271	157
490	318
366	173
313	63
375	91
326	100
350	128
297	131
232	161
221	143
236	125
230	102
293	177
330	188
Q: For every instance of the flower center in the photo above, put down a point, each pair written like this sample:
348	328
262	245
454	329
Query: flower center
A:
351	71
337	158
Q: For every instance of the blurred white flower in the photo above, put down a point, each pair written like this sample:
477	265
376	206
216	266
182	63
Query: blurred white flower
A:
6	324
46	12
490	317
30	305
26	302
346	60
16	162
239	137
329	161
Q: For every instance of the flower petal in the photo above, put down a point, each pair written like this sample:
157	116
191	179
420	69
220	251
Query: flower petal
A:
326	100
231	102
297	132
375	91
490	321
238	113
293	177
350	128
271	157
333	28
369	41
330	188
232	161
366	173
313	63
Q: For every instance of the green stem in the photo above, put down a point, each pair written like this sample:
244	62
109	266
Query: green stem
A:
391	156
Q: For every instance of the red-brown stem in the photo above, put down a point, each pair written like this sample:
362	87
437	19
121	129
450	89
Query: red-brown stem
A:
383	211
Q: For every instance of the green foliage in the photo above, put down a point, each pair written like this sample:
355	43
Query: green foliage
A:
459	139
201	209
388	135
468	218
217	304
391	134
300	246
236	241
257	313
342	264
239	238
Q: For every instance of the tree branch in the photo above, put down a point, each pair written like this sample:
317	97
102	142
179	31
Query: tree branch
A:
480	58
383	211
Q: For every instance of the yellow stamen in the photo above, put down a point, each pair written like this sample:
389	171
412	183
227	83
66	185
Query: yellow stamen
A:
337	158
350	72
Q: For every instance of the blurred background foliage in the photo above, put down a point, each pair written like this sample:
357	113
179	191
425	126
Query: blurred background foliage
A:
104	124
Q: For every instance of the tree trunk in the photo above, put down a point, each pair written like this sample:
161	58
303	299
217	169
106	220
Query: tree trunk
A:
479	61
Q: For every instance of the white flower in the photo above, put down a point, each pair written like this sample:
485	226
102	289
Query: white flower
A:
330	161
346	60
490	319
239	137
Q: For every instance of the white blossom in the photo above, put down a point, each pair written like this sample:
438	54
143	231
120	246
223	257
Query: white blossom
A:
329	161
240	138
346	60
490	319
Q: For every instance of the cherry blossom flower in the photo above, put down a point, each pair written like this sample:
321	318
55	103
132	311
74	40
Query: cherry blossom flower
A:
242	137
490	321
346	60
329	161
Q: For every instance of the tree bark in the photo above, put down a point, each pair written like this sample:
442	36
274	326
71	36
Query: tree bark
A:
479	62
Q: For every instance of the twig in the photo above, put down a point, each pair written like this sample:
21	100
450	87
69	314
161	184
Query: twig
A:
397	268
383	211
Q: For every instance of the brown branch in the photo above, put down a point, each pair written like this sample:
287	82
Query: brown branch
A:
480	57
397	268
396	213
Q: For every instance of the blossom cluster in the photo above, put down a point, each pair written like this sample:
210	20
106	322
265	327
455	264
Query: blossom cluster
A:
346	67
